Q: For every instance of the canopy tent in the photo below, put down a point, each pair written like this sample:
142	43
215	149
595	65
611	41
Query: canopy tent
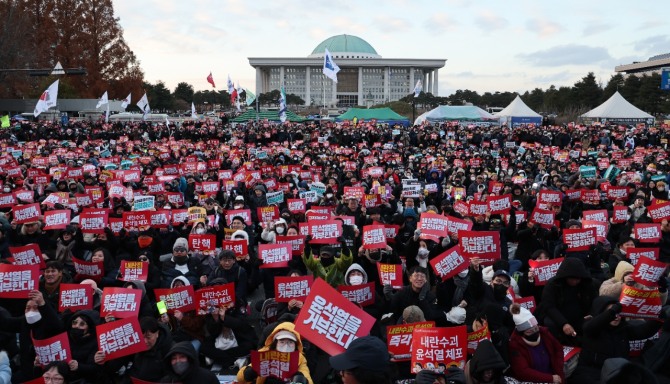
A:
618	110
266	115
518	113
456	113
382	115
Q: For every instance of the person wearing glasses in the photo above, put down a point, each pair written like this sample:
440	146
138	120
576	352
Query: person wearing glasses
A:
416	293
56	372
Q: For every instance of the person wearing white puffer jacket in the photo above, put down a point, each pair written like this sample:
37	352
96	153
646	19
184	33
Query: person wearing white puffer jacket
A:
272	230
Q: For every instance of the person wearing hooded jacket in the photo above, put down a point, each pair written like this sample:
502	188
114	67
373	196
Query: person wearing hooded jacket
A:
275	342
180	264
486	365
83	345
182	366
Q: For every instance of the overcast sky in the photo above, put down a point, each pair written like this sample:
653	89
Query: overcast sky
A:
489	45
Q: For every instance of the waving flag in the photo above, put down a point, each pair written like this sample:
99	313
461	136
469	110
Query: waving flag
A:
144	105
194	115
126	102
103	100
250	96
418	88
210	80
231	86
282	105
330	69
47	100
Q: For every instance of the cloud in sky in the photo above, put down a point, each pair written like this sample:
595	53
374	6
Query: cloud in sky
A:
653	45
570	54
441	22
489	21
594	28
543	27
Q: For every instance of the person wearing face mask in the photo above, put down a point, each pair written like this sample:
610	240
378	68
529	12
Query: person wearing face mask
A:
535	355
623	275
180	264
84	345
271	231
283	338
182	365
327	266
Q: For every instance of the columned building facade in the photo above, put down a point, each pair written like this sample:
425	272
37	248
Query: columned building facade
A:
364	77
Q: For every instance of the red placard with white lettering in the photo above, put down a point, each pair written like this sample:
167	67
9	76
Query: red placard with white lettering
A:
240	247
178	216
277	364
477	208
499	204
617	193
455	224
330	321
579	239
363	294
391	231
297	205
640	302
600	226
544	218
133	270
93	222
546	197
56	219
433	225
374	237
527	302
449	263
634	254
27	255
56	348
297	243
178	298
440	345
120	338
202	242
544	269
474	338
399	339
93	270
140	220
218	296
7	200
27	213
647	271
120	302
275	255
75	297
245	214
269	213
16	281
390	274
288	288
160	219
482	244
325	231
647	233
595	215
659	212
620	214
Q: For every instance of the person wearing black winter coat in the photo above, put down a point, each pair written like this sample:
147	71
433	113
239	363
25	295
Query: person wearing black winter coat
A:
83	345
486	365
182	366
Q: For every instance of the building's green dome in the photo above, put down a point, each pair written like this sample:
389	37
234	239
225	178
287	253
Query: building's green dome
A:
345	46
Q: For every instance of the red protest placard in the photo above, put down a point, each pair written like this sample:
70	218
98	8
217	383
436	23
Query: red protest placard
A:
312	215
374	237
27	255
93	270
547	197
543	218
354	192
399	339
133	270
297	243
634	254
297	205
325	231
499	204
620	214
27	213
477	208
240	247
474	338
120	338
647	233
595	215
218	296
330	321
600	226
120	302
179	298
75	297
56	348
93	222
267	214
482	244
390	274
579	239
527	302
275	255
544	269
7	200
245	214
362	295
647	271
591	196
454	225
288	288
16	281
160	219
202	242
391	231
140	220
58	219
439	345
449	263
617	193
659	212
640	302
433	225
275	364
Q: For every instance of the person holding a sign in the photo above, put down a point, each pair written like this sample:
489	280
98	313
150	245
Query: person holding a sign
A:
230	270
181	264
51	279
83	345
183	366
327	266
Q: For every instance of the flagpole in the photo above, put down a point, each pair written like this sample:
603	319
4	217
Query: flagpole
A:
324	93
256	110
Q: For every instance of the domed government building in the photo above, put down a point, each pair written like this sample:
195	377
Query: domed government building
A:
364	78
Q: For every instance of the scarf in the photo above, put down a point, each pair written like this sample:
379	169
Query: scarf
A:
64	251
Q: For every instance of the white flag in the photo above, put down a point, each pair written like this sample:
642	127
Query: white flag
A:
144	105
418	88
48	99
237	99
103	100
194	115
126	102
282	105
330	69
231	86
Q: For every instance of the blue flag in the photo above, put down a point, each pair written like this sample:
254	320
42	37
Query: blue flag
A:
330	69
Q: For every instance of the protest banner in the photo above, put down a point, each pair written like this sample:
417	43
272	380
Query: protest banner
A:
432	347
56	348
297	205
659	212
476	337
330	321
210	299
635	253
58	219
600	226
590	196
391	231
325	231
178	216
354	192
635	347
133	270
8	200
647	271
75	297
595	215
240	247
579	239
544	269
620	214
527	302
276	364
546	197
267	214
139	220
363	294
476	208
482	244
120	302
275	197
275	255
93	222
27	255
309	196
390	274
433	225
177	299
205	243
26	213
617	193
570	352
197	215
639	302
499	204
374	237
160	219
411	191
88	269
313	215
399	339
449	263
16	281
144	203
587	172
288	288
120	338
245	214
297	243
542	217
647	233
455	224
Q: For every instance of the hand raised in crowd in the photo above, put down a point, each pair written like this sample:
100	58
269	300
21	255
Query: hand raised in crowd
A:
475	262
569	331
99	357
37	297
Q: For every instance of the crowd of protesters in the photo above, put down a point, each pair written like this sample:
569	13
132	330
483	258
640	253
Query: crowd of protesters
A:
455	165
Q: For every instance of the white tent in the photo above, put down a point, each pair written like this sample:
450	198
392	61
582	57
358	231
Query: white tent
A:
617	109
517	112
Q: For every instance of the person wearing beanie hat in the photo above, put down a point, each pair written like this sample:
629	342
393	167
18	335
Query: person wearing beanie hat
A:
623	275
180	264
535	354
